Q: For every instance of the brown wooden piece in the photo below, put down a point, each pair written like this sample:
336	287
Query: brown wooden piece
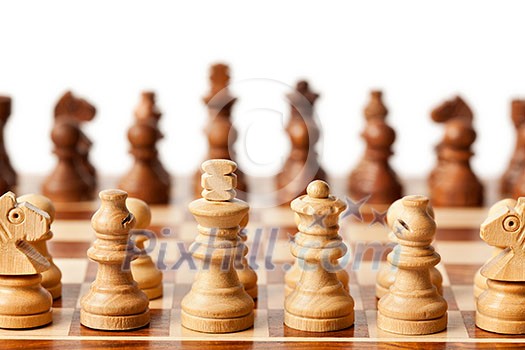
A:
512	183
302	165
8	176
501	307
51	278
413	306
220	132
24	303
373	176
452	182
143	269
217	302
79	111
114	300
147	179
318	303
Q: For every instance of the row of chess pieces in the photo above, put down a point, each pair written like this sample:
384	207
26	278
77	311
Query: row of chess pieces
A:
452	183
221	300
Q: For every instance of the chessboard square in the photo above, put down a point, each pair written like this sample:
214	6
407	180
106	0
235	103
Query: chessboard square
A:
444	273
70	296
62	318
259	329
462	273
166	300
455	328
73	231
366	271
158	327
463	252
275	296
364	232
464	295
73	270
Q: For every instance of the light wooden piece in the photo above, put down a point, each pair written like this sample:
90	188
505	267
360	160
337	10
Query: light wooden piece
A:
24	303
387	273
143	269
501	308
480	282
114	301
217	302
413	306
51	278
247	275
319	303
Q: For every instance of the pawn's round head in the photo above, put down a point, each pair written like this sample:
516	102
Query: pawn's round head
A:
318	189
140	211
41	202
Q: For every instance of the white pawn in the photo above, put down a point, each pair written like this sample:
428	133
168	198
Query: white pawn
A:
413	306
143	269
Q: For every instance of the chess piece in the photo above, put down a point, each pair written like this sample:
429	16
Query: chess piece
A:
501	307
292	276
452	182
219	131
8	177
480	282
78	111
319	303
147	178
217	302
148	112
302	165
143	269
66	183
24	303
51	278
373	175
387	273
246	274
413	306
114	300
510	179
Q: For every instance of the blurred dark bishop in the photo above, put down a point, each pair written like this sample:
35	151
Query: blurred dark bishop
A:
302	165
74	178
147	179
219	130
8	176
452	182
373	176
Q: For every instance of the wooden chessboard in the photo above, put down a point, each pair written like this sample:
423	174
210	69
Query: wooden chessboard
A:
457	241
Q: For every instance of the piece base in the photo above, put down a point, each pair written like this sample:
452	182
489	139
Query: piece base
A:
411	327
153	292
381	291
316	324
114	323
498	325
26	321
216	325
253	292
56	291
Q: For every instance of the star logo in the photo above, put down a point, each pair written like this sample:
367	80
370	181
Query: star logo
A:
318	220
354	208
379	217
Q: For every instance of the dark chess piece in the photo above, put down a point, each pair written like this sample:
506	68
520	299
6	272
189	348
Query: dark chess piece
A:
66	183
148	112
77	111
452	182
302	165
144	181
511	178
8	177
220	132
373	175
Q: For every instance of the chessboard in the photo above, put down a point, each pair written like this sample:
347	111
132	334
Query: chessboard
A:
269	231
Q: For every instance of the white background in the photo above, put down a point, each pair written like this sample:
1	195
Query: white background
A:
418	52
